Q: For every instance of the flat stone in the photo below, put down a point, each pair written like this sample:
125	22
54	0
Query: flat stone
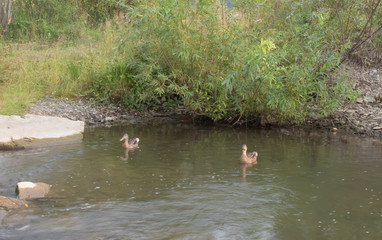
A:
368	99
377	128
30	190
109	119
39	127
10	203
350	111
378	120
378	97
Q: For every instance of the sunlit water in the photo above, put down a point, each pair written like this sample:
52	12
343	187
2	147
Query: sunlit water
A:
184	182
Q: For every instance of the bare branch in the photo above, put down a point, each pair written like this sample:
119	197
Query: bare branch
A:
361	39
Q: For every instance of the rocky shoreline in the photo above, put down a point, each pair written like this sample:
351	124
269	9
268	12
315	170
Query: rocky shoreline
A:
362	117
80	110
95	115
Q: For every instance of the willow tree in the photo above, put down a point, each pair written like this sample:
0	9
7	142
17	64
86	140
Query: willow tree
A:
5	14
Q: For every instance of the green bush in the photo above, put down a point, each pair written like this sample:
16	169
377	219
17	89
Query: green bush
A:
101	10
44	19
224	62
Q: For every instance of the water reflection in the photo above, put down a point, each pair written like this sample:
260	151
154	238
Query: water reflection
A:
185	182
126	155
244	167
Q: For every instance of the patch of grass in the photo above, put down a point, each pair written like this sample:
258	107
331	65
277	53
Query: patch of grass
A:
31	71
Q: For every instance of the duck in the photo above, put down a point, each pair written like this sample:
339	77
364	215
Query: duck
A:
129	144
247	158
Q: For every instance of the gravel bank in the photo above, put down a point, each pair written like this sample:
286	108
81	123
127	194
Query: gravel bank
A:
364	116
83	110
95	114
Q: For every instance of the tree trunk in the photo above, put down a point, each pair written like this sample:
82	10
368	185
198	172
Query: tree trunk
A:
5	14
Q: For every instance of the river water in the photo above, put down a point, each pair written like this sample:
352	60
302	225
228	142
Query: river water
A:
184	182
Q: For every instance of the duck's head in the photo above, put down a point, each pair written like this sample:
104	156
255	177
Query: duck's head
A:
244	147
124	137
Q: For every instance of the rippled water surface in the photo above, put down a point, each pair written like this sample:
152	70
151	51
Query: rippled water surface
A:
184	182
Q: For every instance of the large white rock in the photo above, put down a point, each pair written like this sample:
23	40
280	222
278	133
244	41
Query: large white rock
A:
30	190
39	127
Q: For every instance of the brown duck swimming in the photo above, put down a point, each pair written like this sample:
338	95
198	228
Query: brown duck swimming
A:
247	158
129	144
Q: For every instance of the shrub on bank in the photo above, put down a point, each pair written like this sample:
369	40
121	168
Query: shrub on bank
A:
252	60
